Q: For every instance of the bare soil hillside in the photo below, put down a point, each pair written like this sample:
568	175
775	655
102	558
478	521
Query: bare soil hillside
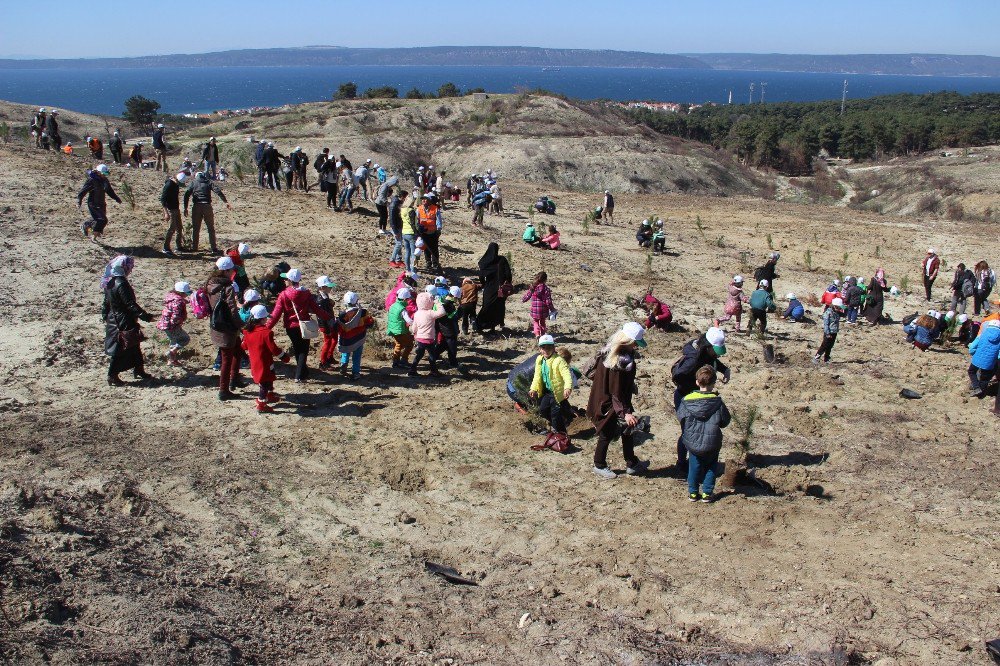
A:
154	524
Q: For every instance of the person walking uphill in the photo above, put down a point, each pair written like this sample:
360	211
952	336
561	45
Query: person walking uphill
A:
703	415
224	324
831	326
541	302
95	188
200	190
552	385
929	268
293	308
610	406
121	314
706	350
170	199
496	277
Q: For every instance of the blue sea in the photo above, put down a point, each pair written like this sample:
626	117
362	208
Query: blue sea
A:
198	90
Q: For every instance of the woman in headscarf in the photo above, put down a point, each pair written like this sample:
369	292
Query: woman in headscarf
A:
494	272
876	300
610	405
121	315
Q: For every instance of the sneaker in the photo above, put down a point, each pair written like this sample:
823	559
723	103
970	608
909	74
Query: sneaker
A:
705	498
692	497
638	467
115	380
272	398
605	473
263	407
975	393
412	373
167	251
815	360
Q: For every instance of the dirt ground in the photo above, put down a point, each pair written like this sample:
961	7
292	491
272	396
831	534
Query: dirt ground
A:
156	525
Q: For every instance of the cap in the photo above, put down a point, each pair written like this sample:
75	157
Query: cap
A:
159	126
293	275
224	264
440	280
325	281
420	168
645	223
250	295
42	110
298	149
243	249
182	287
430	289
87	139
455	291
775	255
837	303
738	279
350	298
375	166
930	250
369	161
404	293
791	296
103	168
636	332
715	336
659	223
836	282
212	139
962	318
607	191
259	312
949	315
529	223
181	177
546	340
763	283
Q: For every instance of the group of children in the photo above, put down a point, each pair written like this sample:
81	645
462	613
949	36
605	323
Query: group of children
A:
651	235
550	241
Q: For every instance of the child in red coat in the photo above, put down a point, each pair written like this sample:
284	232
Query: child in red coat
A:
258	341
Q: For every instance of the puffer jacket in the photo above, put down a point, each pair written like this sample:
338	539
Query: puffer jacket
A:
423	321
986	348
702	417
831	322
553	375
174	312
734	304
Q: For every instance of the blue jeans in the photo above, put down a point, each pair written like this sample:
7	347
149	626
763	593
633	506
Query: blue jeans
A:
210	168
852	315
345	198
355	359
701	471
397	250
409	247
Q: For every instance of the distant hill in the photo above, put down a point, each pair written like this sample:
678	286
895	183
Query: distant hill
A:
914	64
334	55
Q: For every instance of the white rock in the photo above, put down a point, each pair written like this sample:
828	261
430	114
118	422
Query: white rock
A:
524	621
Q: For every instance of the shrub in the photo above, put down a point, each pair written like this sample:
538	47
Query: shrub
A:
383	92
928	203
955	211
347	90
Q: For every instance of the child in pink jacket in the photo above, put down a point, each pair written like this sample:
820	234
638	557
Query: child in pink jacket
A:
423	329
734	304
172	320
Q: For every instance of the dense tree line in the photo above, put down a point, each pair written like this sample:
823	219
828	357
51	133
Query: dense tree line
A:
349	90
787	135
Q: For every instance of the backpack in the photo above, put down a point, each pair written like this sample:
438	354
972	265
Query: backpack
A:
557	441
968	286
222	318
199	304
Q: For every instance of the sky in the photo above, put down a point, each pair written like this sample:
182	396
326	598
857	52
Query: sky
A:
74	29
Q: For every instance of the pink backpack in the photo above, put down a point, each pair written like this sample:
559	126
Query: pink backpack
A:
199	304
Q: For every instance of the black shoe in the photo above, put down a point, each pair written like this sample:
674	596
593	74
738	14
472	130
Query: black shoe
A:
143	375
237	383
226	395
343	369
115	380
166	250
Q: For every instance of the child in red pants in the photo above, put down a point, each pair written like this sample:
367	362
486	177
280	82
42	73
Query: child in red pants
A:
259	344
329	327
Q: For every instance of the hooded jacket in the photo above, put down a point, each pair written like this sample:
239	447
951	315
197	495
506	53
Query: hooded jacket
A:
295	299
174	311
986	348
702	417
201	189
259	344
423	321
831	321
761	299
734	304
158	143
695	354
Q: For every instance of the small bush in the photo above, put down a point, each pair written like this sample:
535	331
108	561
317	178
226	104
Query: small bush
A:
928	203
955	211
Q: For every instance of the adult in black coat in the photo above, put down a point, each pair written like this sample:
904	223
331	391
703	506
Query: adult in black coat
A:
767	272
52	129
121	315
95	189
494	271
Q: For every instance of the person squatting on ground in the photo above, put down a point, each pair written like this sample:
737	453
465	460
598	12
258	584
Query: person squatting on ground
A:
705	350
658	313
541	303
172	320
121	314
795	310
552	385
703	415
96	188
259	345
610	405
200	190
644	234
831	326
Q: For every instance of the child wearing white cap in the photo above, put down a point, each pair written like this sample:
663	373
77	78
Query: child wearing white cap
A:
172	320
353	324
398	327
734	303
831	326
324	299
258	343
552	385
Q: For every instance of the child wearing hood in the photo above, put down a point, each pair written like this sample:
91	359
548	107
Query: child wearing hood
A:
658	313
734	303
831	326
353	324
422	328
467	304
172	320
398	328
703	415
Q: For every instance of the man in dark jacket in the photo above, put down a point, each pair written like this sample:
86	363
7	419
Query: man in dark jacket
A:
160	148
258	159
703	415
52	129
963	285
210	155
766	272
200	190
95	189
702	351
170	199
115	146
318	166
272	163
